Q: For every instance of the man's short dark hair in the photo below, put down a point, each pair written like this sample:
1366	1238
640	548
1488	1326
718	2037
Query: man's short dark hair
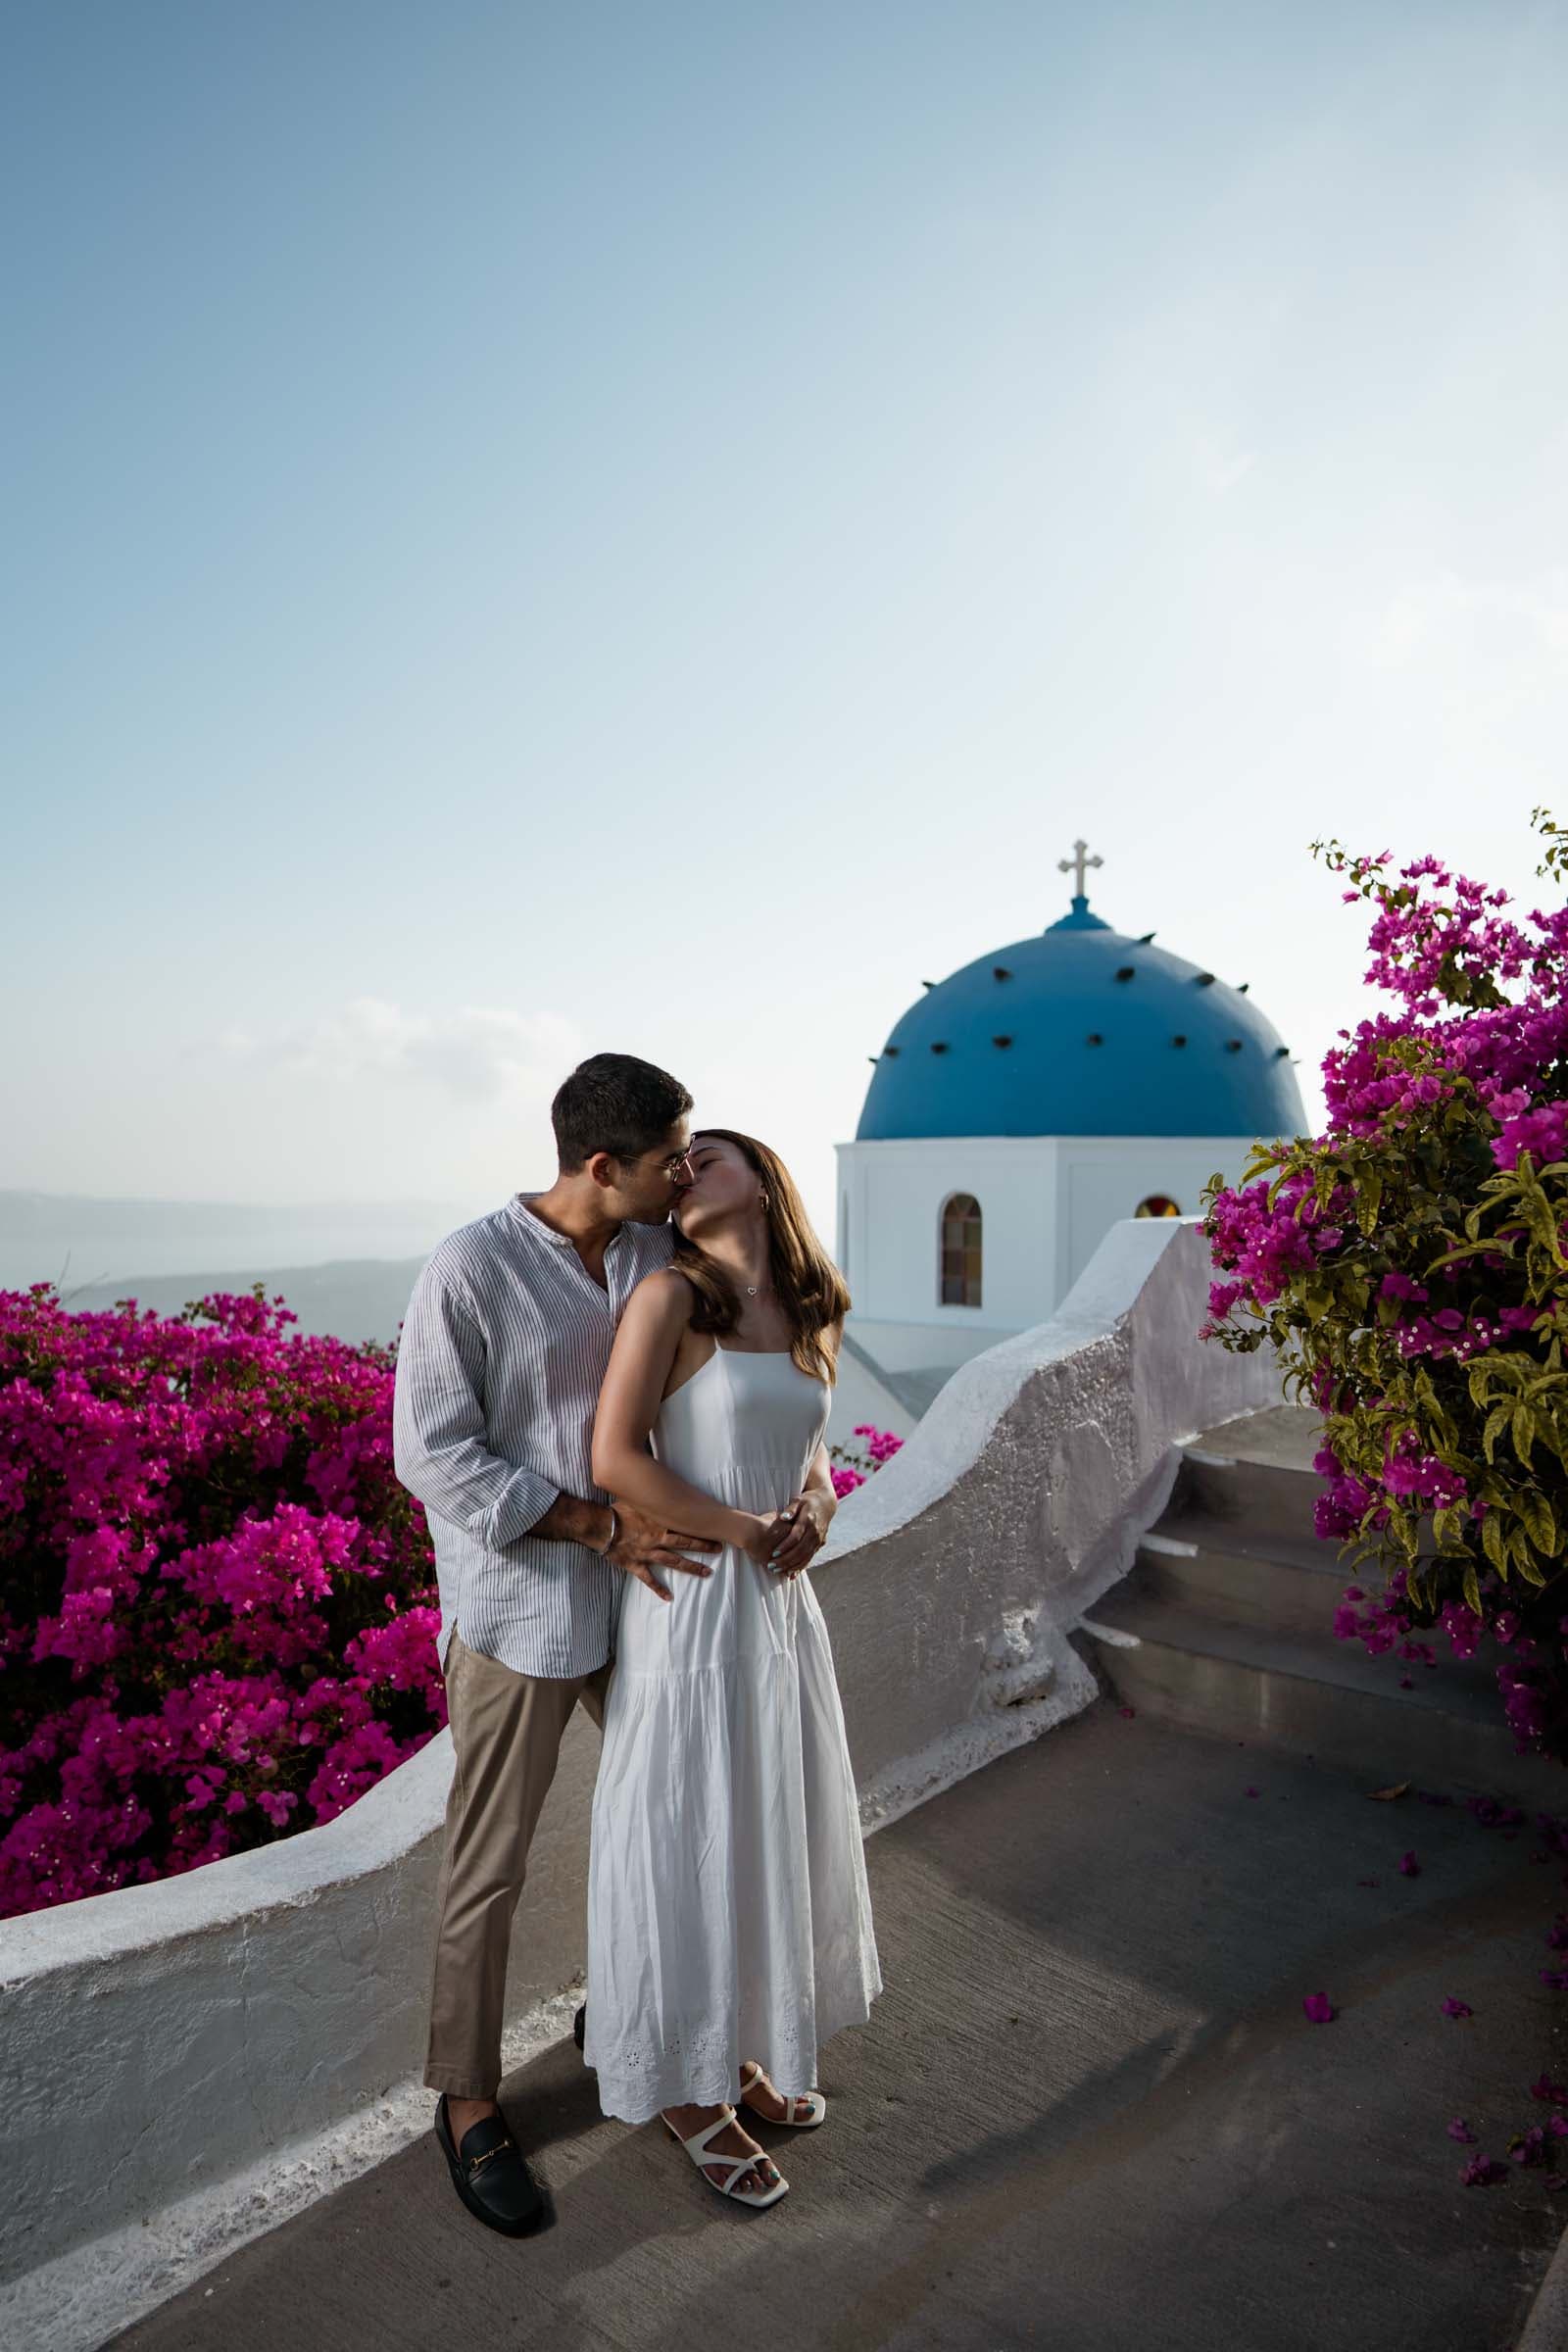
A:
613	1102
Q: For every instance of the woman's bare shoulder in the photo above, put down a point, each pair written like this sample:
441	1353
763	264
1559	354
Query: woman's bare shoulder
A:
665	1297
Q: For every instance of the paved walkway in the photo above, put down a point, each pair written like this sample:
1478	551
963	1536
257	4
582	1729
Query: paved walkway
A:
1088	2112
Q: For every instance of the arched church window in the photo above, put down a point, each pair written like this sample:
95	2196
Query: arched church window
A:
1157	1204
960	1270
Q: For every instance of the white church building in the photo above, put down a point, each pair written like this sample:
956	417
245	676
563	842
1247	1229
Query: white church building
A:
1018	1110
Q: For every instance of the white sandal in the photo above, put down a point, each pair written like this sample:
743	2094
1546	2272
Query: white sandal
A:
794	2123
698	2140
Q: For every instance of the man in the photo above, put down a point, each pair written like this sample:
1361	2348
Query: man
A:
503	1354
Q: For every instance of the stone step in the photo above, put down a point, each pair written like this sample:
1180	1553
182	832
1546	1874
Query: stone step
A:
1309	1693
1289	1587
1219	1568
1253	1476
1289	1435
1256	1498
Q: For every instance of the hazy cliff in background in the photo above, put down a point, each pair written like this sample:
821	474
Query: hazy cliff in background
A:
350	1298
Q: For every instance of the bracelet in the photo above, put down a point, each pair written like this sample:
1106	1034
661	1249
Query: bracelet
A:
614	1532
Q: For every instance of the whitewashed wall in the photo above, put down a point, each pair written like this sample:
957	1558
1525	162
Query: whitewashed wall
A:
212	2052
1048	1203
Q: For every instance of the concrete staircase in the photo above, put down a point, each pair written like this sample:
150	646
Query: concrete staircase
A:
1225	1624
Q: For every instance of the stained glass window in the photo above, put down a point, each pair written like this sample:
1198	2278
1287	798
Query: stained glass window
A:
960	1270
1157	1204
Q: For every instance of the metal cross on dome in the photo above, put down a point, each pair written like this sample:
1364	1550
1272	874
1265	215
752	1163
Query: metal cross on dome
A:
1076	863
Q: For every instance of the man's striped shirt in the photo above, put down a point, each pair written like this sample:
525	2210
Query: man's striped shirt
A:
504	1350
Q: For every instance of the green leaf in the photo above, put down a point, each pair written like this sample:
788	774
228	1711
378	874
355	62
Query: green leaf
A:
1496	1422
1524	1430
1472	1590
1529	1570
1541	1522
1492	1543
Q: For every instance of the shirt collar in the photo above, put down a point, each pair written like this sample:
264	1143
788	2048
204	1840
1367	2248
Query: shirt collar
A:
522	1215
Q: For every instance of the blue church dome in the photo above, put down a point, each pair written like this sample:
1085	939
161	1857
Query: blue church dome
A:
1083	1031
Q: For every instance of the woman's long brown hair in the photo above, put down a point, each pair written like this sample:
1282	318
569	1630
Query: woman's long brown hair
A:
807	1283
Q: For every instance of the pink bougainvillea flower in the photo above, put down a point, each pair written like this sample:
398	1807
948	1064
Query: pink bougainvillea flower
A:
197	1515
1446	1140
1409	1867
1319	2008
1460	2129
1482	2170
1456	2008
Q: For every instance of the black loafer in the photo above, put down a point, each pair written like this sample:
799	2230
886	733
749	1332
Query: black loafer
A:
489	2173
578	2025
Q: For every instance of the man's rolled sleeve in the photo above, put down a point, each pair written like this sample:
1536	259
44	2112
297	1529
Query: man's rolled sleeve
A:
439	1440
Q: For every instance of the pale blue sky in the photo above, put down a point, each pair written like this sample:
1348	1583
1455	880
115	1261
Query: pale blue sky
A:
539	530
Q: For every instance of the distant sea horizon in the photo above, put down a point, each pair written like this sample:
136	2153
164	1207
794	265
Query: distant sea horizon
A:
83	1242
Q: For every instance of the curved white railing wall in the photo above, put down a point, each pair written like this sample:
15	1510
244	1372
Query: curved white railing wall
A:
170	2051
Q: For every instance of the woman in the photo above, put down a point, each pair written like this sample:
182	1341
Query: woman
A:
729	1922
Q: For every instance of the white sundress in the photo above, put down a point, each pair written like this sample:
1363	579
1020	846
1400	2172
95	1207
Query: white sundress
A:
728	1911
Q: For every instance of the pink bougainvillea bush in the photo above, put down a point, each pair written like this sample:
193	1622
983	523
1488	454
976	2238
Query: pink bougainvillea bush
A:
1410	1265
217	1615
850	1469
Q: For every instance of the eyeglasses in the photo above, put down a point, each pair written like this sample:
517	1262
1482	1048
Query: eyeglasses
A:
673	1166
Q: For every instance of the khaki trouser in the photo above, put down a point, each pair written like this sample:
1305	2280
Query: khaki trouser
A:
506	1732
